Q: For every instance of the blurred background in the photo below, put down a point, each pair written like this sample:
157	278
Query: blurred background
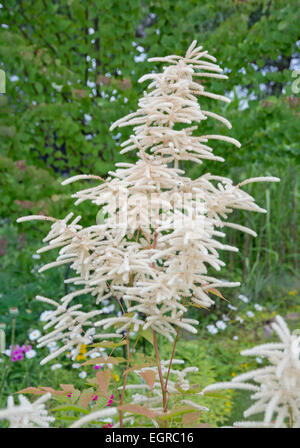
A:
72	68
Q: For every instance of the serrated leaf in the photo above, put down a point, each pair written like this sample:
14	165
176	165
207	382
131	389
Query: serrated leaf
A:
103	380
214	395
112	360
31	390
177	412
70	408
137	409
108	344
189	419
149	377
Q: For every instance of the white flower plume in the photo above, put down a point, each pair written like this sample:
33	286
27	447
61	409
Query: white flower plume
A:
26	414
276	387
158	235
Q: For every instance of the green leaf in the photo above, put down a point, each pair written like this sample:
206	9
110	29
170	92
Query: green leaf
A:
147	334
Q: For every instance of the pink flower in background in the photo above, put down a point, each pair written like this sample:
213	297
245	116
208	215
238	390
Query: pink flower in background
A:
107	426
19	351
110	400
95	397
26	348
98	366
17	356
69	395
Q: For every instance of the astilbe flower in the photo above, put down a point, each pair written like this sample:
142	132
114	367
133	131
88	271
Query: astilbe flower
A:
158	231
276	387
26	414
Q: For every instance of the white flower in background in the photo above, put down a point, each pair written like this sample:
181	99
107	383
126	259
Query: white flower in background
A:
250	314
235	338
36	256
30	354
243	298
258	360
225	317
87	118
52	345
56	366
239	319
82	375
26	414
123	257
212	329
76	365
221	325
34	334
276	387
258	307
45	315
231	307
95	355
56	87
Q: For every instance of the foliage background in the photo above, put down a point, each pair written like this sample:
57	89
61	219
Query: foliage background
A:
72	68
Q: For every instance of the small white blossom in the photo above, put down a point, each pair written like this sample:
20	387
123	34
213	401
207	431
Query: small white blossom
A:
30	354
82	375
35	334
250	314
87	118
258	307
56	366
95	355
243	298
52	344
221	325
45	315
76	365
231	307
56	87
212	329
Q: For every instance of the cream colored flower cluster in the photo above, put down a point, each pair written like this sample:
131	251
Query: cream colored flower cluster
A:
159	233
26	414
276	387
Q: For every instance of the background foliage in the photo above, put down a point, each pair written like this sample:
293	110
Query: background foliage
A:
72	68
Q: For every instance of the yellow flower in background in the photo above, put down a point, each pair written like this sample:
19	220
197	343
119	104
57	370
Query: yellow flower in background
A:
116	377
228	404
80	357
292	293
233	374
244	365
83	349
